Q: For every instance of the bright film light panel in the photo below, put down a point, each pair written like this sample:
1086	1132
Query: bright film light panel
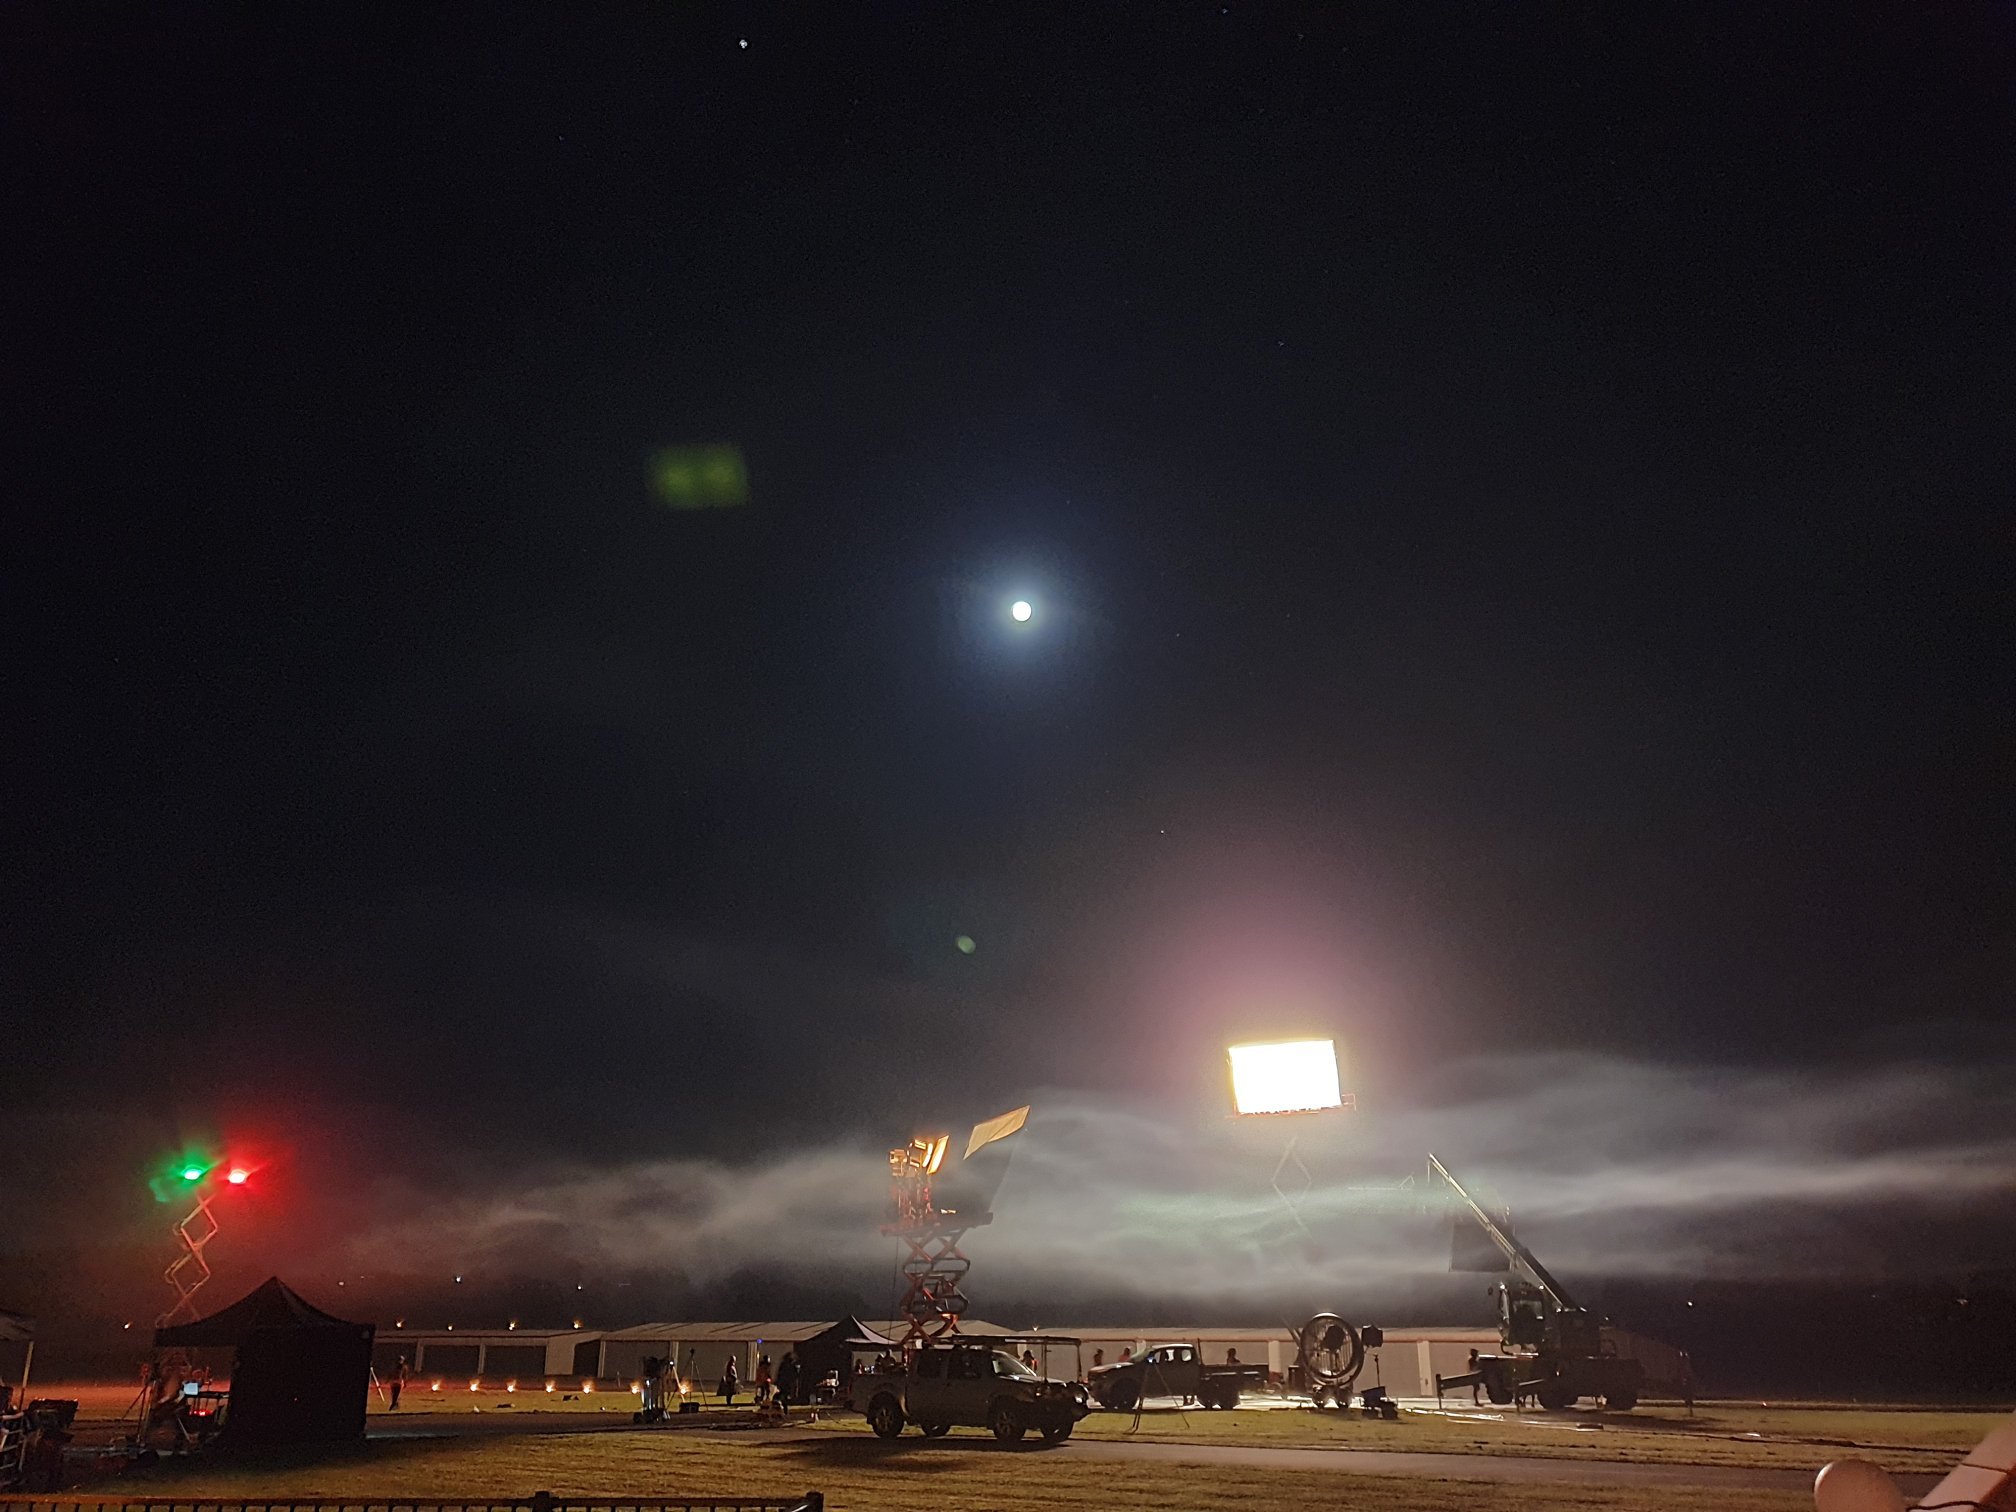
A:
1294	1076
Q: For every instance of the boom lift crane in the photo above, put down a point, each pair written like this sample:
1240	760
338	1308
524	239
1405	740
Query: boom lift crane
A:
1553	1349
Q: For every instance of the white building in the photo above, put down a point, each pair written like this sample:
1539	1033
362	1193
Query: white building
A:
700	1350
1406	1362
488	1354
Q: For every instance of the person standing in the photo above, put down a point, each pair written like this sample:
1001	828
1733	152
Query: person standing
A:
762	1380
1473	1385
731	1382
398	1381
787	1380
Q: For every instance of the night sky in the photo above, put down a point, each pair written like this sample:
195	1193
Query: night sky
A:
1516	501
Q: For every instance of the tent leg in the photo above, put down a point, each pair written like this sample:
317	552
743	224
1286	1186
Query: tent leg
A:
27	1360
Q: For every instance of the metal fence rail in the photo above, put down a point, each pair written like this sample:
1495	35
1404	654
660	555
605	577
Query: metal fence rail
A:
539	1501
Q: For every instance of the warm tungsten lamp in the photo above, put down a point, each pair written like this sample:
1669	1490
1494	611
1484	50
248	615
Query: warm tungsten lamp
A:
925	1154
1291	1076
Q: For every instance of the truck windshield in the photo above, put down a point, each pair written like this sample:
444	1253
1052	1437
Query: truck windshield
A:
1008	1365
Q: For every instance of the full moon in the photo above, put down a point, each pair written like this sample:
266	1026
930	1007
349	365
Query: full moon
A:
1021	610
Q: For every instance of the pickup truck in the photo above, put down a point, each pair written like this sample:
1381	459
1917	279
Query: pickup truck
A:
1176	1370
968	1383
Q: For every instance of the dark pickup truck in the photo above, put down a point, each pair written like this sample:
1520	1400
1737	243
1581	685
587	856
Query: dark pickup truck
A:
1172	1370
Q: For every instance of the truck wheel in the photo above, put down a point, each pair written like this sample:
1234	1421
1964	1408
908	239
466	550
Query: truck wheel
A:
1228	1395
1124	1396
1007	1423
1499	1392
1056	1433
1622	1400
885	1417
935	1430
1554	1396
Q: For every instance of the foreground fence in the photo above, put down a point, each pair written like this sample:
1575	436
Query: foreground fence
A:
538	1501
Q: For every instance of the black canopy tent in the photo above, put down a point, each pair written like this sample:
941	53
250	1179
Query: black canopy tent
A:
300	1376
831	1350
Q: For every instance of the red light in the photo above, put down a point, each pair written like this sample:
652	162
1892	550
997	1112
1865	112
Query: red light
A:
237	1175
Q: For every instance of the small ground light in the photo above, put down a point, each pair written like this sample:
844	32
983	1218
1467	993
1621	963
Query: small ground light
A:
549	1385
474	1385
435	1387
637	1388
192	1173
587	1386
237	1175
510	1385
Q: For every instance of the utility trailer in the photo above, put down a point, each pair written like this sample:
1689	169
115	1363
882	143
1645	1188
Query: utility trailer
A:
1553	1349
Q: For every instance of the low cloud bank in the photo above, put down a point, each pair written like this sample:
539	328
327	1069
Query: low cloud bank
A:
1611	1167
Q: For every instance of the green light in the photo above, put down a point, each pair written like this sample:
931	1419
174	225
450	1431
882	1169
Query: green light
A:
192	1173
700	477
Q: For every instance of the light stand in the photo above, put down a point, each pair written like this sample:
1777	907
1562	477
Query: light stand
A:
187	1274
932	1301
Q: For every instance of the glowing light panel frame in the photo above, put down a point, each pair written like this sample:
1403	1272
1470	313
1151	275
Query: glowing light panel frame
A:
1287	1076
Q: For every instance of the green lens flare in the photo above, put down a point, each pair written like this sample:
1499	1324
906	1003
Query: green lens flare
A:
700	477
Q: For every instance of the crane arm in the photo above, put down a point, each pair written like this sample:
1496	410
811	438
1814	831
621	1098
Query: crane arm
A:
1521	1257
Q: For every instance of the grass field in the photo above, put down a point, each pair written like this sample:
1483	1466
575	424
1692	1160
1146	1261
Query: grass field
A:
860	1474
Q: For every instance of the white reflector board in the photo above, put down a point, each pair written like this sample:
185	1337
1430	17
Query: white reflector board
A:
1293	1076
996	1128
